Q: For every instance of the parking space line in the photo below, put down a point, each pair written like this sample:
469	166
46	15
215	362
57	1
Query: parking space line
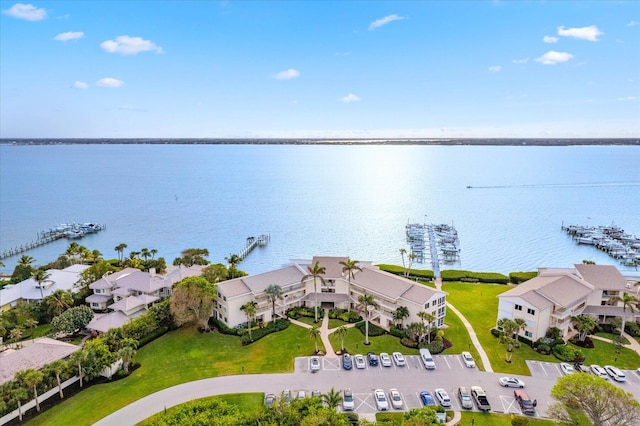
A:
460	362
445	360
509	402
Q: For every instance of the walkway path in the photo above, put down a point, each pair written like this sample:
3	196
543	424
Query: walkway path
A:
324	333
474	338
633	343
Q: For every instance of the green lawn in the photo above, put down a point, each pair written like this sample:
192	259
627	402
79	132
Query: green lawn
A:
182	356
612	336
246	402
457	334
310	321
605	354
354	343
491	419
335	323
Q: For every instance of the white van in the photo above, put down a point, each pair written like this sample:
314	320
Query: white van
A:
427	359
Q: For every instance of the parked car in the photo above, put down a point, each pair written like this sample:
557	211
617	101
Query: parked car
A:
382	404
511	382
465	398
427	359
526	405
443	397
302	394
360	362
286	396
398	359
427	399
566	368
615	373
315	393
396	399
314	364
468	359
373	359
347	400
385	359
269	399
347	362
581	368
599	371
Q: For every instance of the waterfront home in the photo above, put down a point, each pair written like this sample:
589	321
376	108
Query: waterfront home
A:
557	294
29	289
35	353
388	290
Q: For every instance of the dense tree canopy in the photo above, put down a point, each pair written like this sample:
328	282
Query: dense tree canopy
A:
192	302
71	320
192	256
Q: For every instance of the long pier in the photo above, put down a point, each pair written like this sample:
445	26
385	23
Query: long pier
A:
443	243
253	242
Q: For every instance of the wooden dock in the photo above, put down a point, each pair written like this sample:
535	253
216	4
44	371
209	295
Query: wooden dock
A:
253	242
443	243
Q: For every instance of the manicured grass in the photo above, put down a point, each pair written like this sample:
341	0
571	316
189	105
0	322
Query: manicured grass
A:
612	336
182	356
39	331
604	353
246	402
457	334
354	343
310	321
335	323
491	419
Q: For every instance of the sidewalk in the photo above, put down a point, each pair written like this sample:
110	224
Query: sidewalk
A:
633	343
474	338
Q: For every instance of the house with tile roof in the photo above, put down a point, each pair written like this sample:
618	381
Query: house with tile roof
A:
557	294
389	291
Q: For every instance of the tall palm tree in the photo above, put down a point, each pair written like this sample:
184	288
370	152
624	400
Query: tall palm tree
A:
26	260
349	267
332	398
120	250
249	310
314	333
402	253
400	314
145	253
628	301
58	367
583	324
78	358
19	394
40	276
365	302
233	260
427	319
508	327
521	325
58	302
274	292
412	257
153	253
341	332
316	272
31	379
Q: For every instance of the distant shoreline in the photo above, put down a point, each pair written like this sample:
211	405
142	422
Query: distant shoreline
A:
324	141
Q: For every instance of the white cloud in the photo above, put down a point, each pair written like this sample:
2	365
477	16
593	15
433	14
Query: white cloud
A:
69	35
632	24
549	39
80	85
552	57
287	74
126	45
628	98
590	33
109	82
495	68
384	21
350	98
28	12
520	61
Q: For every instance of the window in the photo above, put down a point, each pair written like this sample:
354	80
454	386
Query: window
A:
531	311
440	311
426	305
94	305
528	334
224	298
225	319
219	294
518	307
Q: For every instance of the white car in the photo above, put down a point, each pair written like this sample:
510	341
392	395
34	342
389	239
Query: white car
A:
360	361
510	382
396	399
615	373
566	368
381	400
599	371
314	364
347	400
468	359
443	397
399	359
385	359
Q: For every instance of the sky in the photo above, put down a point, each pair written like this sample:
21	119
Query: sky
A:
323	69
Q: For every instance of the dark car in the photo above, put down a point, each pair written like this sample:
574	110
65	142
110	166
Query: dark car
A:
427	399
347	362
581	368
373	358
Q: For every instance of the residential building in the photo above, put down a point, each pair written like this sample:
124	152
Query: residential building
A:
388	290
557	294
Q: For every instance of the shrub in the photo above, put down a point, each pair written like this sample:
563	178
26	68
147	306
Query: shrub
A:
543	348
496	333
520	277
525	340
519	421
374	330
222	327
397	332
259	333
586	343
553	333
409	343
632	328
420	274
435	347
483	277
152	336
567	353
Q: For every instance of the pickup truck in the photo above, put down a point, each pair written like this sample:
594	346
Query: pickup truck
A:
481	398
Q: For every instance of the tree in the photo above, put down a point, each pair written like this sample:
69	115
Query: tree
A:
425	416
40	276
120	250
233	260
349	267
628	301
603	403
584	324
400	314
402	253
332	398
97	357
71	320
19	394
364	303
428	319
314	333
249	310
58	302
92	274
316	272
78	358
274	292
23	269
520	325
192	256
214	273
31	378
341	332
509	329
417	331
58	367
192	302
126	354
153	253
145	253
412	257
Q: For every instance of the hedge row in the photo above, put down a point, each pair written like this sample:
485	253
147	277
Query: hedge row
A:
520	277
344	315
259	333
482	277
420	274
299	311
374	330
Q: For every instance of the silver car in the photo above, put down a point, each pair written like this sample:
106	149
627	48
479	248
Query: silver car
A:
347	400
385	359
465	398
443	397
382	404
399	359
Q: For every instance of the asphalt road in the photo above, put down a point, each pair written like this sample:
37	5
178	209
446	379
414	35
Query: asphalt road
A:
450	373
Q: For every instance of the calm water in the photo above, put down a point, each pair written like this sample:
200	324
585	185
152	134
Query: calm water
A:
320	200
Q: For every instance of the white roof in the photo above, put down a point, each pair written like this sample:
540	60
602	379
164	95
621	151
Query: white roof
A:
105	322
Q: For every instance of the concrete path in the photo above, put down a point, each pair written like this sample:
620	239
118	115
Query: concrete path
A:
633	343
324	334
474	338
455	420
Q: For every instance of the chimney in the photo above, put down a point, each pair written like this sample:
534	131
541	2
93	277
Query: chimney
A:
152	272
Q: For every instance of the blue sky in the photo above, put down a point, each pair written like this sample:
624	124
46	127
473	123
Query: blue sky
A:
368	69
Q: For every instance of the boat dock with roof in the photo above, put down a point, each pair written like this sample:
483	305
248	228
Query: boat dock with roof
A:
610	239
443	243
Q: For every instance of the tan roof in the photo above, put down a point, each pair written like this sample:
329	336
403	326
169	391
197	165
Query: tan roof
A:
108	321
108	281
384	283
420	294
34	354
131	302
563	289
333	268
289	275
233	288
602	277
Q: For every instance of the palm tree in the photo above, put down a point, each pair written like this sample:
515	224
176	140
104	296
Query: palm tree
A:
274	292
58	302
428	319
145	253
314	333
58	367
233	260
402	253
365	301
26	260
332	398
400	314
126	353
153	253
31	379
316	272
40	276
628	301
15	334
583	324
508	327
417	331
19	394
78	358
412	257
521	325
349	267
120	250
249	310
341	332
